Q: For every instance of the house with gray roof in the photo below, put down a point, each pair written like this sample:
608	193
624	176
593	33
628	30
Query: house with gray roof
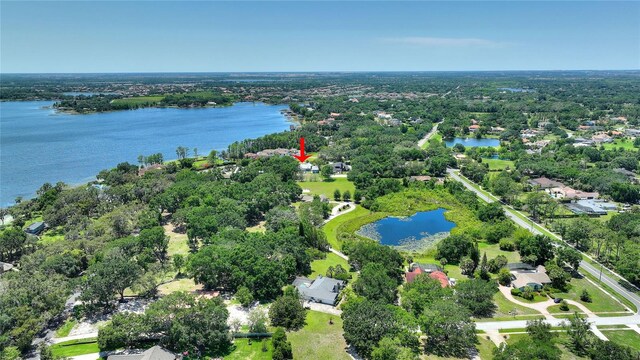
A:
36	228
322	290
4	267
154	353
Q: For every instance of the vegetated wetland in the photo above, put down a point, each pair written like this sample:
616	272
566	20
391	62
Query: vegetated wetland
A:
41	145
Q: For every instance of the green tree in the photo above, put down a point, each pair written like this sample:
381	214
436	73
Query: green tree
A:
108	277
392	349
477	296
178	262
579	333
212	159
367	322
244	296
156	241
336	195
281	346
257	320
540	330
437	324
346	196
374	283
357	196
287	311
326	171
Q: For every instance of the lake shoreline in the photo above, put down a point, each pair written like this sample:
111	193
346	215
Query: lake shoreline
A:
74	149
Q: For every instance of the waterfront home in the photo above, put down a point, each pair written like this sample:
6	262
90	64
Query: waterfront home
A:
323	290
153	353
474	128
36	228
432	271
427	268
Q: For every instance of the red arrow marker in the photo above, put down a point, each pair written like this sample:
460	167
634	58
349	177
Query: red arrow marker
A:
302	157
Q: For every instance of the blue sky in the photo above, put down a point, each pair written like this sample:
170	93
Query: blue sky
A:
118	36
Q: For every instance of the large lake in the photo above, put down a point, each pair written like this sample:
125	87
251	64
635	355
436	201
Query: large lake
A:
38	144
416	230
472	142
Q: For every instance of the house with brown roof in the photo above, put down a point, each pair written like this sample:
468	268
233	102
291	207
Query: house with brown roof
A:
545	183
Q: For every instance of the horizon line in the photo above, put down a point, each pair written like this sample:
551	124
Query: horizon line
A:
307	71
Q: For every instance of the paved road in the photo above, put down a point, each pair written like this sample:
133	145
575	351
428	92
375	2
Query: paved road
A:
428	136
597	321
585	266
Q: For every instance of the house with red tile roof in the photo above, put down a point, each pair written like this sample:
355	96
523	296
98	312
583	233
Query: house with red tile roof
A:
440	276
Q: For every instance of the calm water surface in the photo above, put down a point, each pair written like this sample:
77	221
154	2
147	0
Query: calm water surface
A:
473	142
396	231
39	145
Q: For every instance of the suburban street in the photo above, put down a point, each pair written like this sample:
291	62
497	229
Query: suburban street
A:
585	266
597	321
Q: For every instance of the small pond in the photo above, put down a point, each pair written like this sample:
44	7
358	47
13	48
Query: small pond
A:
472	142
418	231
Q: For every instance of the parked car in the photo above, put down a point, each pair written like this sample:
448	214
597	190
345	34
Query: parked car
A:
557	300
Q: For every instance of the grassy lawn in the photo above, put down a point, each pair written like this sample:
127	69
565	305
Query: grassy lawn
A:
243	350
258	228
498	164
624	337
493	250
506	309
485	348
75	347
625	144
178	243
600	302
65	328
52	236
319	340
555	309
319	267
183	284
331	228
327	188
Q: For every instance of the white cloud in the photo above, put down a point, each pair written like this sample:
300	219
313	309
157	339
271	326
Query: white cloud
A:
443	42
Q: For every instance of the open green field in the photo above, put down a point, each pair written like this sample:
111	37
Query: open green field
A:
508	310
625	144
319	267
327	188
331	228
75	347
555	310
498	164
601	302
139	100
493	250
624	337
318	340
245	351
